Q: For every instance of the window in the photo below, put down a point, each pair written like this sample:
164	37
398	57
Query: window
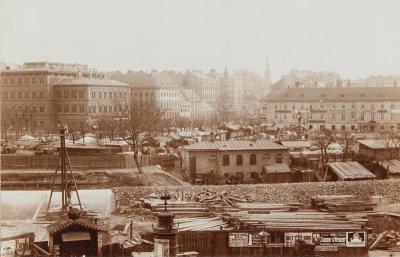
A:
93	94
279	158
41	95
225	160
41	108
353	127
100	95
19	95
253	159
59	108
343	116
5	95
333	127
34	95
81	94
343	127
239	159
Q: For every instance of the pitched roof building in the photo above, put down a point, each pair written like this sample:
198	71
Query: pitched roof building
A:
345	108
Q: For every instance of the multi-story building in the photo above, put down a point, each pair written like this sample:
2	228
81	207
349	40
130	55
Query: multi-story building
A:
27	95
205	86
193	107
353	109
231	95
154	88
83	100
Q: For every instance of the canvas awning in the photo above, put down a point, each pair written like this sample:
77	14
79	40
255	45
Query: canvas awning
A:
75	236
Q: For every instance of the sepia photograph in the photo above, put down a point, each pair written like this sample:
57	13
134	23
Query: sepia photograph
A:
199	128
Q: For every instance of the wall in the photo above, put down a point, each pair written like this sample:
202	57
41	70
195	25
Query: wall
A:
285	192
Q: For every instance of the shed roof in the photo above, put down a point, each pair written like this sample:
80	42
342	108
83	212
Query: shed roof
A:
296	143
392	165
235	145
376	143
350	170
277	168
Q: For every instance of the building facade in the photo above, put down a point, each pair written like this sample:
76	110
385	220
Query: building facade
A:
220	160
27	95
351	109
84	100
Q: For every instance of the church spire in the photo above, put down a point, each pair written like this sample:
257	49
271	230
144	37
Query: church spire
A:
267	72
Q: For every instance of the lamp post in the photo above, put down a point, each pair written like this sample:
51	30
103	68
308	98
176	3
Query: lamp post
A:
264	235
299	117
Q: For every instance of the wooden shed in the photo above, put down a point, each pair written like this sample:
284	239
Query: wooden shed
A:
75	238
276	173
341	171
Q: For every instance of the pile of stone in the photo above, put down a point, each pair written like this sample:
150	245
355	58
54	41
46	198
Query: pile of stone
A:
386	240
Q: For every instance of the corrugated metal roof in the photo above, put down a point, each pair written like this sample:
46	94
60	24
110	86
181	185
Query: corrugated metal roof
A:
350	170
235	145
296	144
392	165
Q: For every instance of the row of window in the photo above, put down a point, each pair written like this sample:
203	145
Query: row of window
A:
143	94
23	80
253	159
23	95
170	94
352	127
333	106
321	116
25	109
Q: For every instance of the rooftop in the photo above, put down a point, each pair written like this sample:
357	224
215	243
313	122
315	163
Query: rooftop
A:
335	94
350	170
376	143
296	143
90	82
277	168
393	166
142	79
235	145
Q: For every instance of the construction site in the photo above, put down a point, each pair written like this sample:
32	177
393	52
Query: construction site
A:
150	212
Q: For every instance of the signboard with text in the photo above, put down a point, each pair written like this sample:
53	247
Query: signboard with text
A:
244	239
291	237
330	239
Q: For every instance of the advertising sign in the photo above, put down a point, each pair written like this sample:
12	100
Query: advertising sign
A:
356	239
330	239
291	237
245	240
238	239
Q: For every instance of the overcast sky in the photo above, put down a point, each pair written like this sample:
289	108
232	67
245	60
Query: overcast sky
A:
352	37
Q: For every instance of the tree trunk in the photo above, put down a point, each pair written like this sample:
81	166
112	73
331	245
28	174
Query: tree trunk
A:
138	165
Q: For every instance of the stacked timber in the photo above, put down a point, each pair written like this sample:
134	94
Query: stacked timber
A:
387	240
201	224
183	209
281	217
341	203
221	198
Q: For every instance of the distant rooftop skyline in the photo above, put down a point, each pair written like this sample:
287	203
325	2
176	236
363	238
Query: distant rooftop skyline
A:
354	38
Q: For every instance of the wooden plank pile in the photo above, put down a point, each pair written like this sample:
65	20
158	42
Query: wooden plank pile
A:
287	218
221	198
387	240
201	224
183	209
341	203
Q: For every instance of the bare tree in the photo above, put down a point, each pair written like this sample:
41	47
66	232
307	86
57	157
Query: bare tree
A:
322	141
134	120
347	141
